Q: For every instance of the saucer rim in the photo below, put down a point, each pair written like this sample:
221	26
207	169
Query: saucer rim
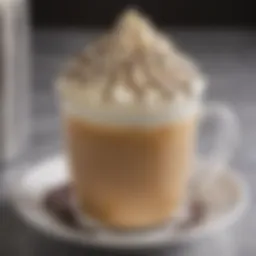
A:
62	232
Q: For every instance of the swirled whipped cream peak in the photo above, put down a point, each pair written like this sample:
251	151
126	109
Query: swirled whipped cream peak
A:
132	65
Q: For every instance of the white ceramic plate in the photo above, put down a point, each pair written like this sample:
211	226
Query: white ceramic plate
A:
27	191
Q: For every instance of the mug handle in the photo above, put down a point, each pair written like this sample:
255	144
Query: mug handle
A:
224	143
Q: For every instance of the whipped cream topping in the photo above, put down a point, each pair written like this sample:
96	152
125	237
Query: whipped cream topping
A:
131	65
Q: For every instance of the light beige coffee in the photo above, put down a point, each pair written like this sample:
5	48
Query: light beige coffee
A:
130	104
130	177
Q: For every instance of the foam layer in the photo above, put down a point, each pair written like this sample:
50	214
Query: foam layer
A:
143	117
133	71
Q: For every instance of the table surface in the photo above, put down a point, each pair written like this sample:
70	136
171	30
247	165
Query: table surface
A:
228	57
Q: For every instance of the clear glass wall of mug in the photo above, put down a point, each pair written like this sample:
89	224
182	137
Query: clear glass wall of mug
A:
133	169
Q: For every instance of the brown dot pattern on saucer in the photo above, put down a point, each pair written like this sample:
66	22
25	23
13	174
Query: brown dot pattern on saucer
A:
58	204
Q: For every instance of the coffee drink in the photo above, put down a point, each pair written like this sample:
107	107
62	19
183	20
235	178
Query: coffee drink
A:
130	105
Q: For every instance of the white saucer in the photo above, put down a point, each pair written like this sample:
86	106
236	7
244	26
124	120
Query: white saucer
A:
27	191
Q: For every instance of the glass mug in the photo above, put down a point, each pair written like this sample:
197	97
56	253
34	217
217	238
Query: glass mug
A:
134	170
